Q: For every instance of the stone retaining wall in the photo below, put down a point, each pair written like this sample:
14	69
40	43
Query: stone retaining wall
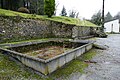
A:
18	29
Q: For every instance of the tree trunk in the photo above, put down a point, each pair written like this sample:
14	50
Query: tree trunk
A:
2	4
27	4
24	3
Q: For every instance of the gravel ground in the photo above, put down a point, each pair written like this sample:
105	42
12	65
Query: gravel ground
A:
108	61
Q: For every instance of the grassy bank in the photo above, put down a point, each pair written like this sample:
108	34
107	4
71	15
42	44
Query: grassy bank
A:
66	20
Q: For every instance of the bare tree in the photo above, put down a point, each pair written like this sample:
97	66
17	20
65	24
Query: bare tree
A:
77	15
72	13
56	5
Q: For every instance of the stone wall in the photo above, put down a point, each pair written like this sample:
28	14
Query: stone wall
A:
17	29
78	31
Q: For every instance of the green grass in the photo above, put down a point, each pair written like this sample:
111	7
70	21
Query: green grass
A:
89	55
66	20
78	65
9	70
75	66
4	12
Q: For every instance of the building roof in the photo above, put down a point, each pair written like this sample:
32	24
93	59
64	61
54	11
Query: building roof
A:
112	20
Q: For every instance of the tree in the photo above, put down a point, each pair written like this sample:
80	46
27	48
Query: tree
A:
108	17
1	3
10	4
117	16
63	12
15	4
49	7
36	6
24	3
97	18
77	15
72	14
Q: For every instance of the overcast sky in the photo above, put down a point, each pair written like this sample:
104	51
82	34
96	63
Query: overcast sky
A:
87	8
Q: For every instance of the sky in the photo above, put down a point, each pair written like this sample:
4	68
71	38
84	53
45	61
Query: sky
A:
87	8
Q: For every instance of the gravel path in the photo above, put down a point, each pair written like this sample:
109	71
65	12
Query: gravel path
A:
108	61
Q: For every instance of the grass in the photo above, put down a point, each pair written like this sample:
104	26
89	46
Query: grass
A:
89	55
4	12
66	20
75	66
78	65
9	70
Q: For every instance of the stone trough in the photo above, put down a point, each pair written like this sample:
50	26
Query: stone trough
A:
47	65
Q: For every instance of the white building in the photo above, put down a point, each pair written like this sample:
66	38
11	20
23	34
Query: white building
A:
112	26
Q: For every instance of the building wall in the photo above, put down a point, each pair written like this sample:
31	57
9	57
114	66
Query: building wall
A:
112	26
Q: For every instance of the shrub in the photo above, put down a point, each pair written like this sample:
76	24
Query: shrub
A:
49	7
23	10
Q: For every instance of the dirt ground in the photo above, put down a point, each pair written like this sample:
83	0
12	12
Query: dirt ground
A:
107	65
48	52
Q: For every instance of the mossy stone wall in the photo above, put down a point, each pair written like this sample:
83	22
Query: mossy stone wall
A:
19	29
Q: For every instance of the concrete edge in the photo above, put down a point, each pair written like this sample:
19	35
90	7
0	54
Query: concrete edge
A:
48	60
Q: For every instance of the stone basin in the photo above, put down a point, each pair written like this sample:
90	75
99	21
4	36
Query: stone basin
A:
47	56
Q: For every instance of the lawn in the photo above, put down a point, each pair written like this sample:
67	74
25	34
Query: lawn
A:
66	20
